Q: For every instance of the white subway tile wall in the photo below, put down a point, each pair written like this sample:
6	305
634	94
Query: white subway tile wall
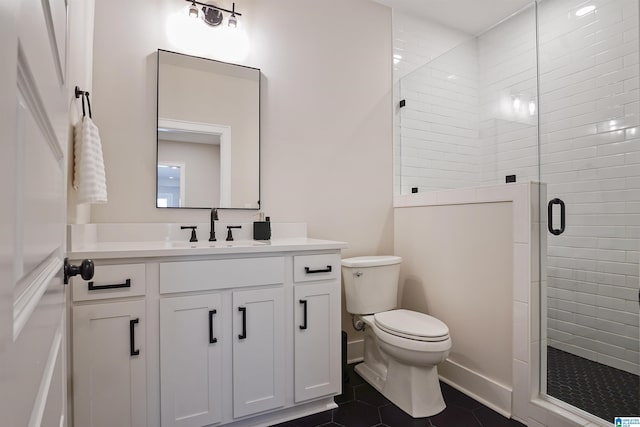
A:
590	153
471	117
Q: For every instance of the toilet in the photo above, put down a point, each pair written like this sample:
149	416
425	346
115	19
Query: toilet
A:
402	348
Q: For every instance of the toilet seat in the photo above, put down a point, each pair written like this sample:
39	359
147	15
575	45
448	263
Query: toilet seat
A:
412	325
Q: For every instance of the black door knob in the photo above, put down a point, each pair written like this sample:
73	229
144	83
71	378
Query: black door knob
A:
85	270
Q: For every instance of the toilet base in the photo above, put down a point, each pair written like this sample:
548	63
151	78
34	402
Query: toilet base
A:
415	390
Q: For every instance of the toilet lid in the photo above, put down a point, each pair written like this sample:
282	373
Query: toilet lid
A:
412	325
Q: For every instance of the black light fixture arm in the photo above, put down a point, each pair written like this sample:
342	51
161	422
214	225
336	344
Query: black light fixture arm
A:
233	12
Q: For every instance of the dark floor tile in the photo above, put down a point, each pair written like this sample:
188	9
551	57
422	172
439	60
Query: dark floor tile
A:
331	424
347	395
287	424
455	416
596	388
356	414
393	416
490	418
314	420
453	397
354	378
366	393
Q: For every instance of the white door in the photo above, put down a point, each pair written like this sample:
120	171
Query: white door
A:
34	128
258	350
317	365
191	360
109	353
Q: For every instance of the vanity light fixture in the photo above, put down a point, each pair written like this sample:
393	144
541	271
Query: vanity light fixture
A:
212	15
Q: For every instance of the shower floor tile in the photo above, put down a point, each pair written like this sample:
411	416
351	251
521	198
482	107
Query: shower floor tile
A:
360	405
593	387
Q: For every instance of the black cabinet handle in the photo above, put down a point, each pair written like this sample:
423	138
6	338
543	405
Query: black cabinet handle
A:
212	339
555	231
126	284
304	318
132	337
243	310
323	270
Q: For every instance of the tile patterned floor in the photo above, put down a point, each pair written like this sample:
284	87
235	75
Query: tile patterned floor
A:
360	405
596	388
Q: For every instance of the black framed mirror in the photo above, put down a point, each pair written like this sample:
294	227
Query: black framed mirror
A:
208	133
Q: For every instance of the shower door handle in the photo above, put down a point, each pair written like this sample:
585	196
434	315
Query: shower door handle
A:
555	231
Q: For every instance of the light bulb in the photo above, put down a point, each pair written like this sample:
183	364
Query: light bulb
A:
193	11
233	21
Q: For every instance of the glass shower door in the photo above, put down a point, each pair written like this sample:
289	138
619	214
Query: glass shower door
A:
590	162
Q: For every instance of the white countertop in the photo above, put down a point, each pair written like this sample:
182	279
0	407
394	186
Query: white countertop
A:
148	249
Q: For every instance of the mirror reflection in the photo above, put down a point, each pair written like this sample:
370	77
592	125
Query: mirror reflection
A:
208	133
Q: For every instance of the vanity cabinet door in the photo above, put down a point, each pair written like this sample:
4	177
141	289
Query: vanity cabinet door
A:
109	376
258	350
190	360
317	365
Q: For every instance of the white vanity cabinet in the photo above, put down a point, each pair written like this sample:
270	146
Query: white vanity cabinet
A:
223	343
109	379
191	360
258	350
317	364
109	348
245	321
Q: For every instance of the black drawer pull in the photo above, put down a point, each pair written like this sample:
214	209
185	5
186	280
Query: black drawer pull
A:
322	270
132	337
243	310
555	231
304	318
212	339
126	284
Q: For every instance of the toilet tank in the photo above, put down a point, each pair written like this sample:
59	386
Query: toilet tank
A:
371	283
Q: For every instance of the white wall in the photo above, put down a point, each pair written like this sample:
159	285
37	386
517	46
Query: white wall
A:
326	153
591	159
80	64
458	266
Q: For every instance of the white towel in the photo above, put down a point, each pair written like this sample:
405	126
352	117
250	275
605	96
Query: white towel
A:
89	178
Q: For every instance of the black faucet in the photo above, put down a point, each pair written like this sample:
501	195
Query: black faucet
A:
229	228
193	232
214	218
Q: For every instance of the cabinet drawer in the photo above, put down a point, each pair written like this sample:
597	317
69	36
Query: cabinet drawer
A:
220	274
308	268
110	281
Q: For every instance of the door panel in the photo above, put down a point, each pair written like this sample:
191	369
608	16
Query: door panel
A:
190	363
258	351
34	123
102	362
317	365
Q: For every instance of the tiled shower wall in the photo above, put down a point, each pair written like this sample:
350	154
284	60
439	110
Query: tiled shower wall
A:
439	125
590	158
471	115
590	152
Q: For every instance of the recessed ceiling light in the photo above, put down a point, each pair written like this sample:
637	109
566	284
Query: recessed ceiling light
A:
584	10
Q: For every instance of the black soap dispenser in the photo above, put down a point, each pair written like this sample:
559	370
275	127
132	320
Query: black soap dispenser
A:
262	229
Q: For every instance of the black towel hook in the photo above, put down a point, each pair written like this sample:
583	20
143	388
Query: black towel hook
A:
80	93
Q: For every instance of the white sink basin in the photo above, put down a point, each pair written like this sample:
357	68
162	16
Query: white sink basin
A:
218	244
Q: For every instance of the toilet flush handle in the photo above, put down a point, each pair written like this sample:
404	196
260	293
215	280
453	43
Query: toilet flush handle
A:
358	273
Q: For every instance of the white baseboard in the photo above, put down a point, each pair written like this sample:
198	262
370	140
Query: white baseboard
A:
355	351
477	386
